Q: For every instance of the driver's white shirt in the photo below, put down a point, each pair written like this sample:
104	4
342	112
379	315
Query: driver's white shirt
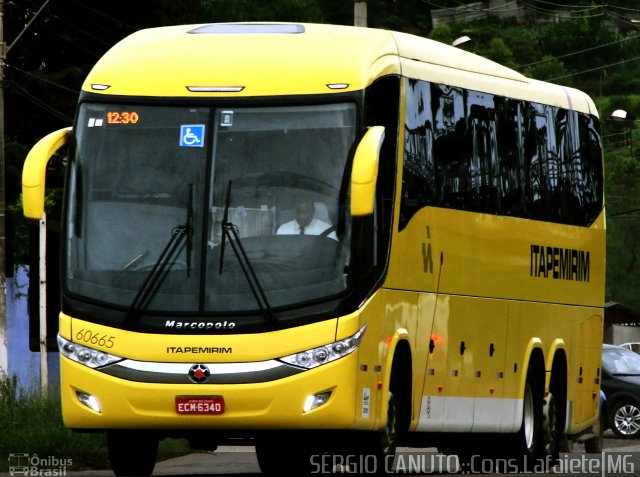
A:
315	227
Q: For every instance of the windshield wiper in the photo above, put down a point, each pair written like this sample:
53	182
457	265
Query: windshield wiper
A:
225	220
189	227
158	272
230	231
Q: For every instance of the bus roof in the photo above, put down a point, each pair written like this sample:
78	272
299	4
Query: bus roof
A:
270	59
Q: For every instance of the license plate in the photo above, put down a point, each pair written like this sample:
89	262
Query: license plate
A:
199	404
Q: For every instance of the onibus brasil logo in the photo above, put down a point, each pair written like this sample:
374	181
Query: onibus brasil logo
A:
35	466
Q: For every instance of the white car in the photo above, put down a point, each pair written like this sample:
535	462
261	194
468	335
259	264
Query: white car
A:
633	346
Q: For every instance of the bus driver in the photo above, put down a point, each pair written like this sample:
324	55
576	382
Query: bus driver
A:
305	223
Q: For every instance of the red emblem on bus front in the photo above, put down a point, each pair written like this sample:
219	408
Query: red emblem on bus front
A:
198	373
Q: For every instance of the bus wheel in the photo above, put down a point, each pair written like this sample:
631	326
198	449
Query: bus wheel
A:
132	452
550	434
529	439
389	436
284	457
384	444
595	444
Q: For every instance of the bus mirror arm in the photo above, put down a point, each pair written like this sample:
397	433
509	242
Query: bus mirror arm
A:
364	173
34	172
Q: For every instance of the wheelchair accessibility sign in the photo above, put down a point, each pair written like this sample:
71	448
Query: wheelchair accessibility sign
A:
192	135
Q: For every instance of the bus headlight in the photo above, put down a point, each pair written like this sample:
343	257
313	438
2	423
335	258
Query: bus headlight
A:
314	357
83	355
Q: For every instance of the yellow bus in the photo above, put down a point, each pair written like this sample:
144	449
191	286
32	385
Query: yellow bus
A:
326	240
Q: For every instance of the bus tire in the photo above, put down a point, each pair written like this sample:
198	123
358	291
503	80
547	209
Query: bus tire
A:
132	452
550	430
529	439
595	444
284	457
385	441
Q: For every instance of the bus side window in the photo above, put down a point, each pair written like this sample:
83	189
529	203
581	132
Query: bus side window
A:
418	174
481	152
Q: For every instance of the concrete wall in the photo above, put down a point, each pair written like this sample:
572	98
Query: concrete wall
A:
624	334
22	363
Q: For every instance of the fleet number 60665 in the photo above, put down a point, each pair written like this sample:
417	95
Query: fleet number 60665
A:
88	336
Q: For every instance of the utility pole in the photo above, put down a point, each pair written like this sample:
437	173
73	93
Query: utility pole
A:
4	353
360	13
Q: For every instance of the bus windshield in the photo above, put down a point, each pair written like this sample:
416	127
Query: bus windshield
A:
152	188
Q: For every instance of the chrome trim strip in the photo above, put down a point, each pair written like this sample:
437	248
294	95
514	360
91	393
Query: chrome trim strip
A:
220	373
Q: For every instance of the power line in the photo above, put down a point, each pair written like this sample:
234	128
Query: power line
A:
95	30
76	28
469	8
580	51
44	80
564	5
623	197
42	104
108	17
27	26
615	7
499	9
465	7
619	18
594	69
572	15
79	29
552	13
626	212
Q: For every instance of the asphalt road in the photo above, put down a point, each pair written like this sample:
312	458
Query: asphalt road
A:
621	457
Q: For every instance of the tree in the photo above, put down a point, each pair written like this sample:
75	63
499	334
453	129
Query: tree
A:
255	10
549	68
623	226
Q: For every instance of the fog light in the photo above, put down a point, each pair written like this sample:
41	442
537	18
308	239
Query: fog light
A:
88	400
316	400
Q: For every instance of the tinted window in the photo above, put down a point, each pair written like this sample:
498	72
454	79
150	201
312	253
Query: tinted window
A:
480	152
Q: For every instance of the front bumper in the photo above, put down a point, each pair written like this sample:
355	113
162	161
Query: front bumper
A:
269	405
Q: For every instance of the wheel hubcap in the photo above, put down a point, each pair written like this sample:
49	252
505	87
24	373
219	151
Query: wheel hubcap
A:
528	418
627	420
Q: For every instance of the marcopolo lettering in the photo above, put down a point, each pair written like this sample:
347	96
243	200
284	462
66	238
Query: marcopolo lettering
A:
560	263
199	325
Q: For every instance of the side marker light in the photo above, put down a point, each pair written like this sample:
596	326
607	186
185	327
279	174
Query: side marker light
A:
338	85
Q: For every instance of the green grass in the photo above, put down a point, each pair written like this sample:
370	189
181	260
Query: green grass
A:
31	423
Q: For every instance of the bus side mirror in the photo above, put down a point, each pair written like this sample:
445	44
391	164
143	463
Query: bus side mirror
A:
34	171
364	173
